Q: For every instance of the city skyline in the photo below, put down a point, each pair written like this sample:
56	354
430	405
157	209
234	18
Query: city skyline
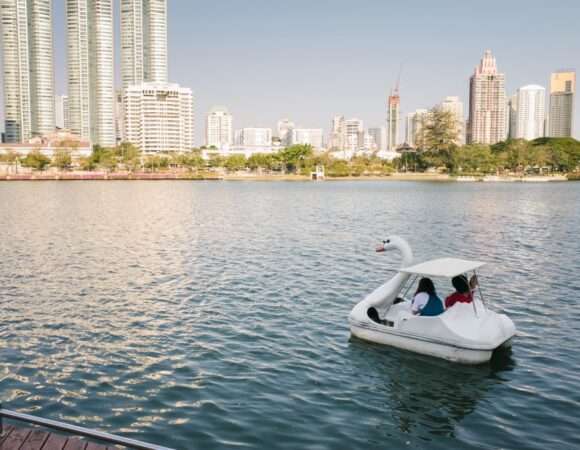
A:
259	94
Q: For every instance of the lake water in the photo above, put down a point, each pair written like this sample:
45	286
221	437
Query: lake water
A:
213	315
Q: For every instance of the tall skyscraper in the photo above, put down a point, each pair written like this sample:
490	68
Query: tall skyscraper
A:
530	112
487	103
159	117
562	93
219	128
455	106
27	48
143	41
90	70
393	119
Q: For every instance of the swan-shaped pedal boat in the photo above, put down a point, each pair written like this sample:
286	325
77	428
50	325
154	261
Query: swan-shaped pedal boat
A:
466	333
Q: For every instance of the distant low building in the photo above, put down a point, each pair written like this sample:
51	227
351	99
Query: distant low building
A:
254	137
379	135
285	127
307	136
48	144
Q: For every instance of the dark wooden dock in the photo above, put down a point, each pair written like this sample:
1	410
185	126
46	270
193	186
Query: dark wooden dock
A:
14	438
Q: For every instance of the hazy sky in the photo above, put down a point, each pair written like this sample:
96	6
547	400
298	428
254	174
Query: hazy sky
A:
311	59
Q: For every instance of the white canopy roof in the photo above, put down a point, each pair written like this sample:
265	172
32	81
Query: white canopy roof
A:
443	267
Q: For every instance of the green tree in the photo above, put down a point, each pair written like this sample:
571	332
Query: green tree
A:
235	162
216	161
36	160
338	168
475	158
129	155
62	158
156	162
439	135
291	157
87	163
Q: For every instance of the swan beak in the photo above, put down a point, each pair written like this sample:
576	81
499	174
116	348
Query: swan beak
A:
380	248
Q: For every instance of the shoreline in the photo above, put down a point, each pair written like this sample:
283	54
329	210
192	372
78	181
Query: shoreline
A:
185	176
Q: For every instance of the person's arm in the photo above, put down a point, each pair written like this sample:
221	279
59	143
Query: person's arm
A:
419	302
473	283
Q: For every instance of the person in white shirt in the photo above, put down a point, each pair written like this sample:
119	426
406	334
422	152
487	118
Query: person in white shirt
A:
426	302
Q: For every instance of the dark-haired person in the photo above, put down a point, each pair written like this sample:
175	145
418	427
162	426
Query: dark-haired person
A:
425	301
462	292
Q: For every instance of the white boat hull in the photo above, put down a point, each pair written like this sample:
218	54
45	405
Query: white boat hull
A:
459	335
424	347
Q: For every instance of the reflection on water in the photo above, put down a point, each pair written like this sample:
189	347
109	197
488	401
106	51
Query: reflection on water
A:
214	315
426	396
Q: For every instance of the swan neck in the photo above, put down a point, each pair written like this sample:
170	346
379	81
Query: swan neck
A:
406	253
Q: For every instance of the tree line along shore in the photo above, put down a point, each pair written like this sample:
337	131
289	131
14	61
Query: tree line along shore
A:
436	153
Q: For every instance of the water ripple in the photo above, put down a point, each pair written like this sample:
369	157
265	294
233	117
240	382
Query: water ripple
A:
213	315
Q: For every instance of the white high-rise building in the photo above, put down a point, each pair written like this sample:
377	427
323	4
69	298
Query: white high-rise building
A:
487	103
27	48
415	123
90	70
531	112
159	117
379	136
254	137
219	128
455	106
143	41
307	136
353	134
285	127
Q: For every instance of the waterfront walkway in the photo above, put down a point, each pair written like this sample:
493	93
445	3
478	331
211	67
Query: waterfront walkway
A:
14	438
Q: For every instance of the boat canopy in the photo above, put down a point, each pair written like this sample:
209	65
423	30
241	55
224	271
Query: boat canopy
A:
443	267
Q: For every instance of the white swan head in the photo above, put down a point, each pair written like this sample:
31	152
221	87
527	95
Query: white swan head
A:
400	244
392	243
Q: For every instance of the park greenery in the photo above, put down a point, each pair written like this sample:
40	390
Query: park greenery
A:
436	150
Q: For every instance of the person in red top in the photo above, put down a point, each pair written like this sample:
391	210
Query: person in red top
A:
462	292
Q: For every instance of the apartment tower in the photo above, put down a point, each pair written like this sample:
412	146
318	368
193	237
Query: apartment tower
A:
90	70
143	41
219	128
393	119
562	91
487	103
27	50
531	112
159	117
